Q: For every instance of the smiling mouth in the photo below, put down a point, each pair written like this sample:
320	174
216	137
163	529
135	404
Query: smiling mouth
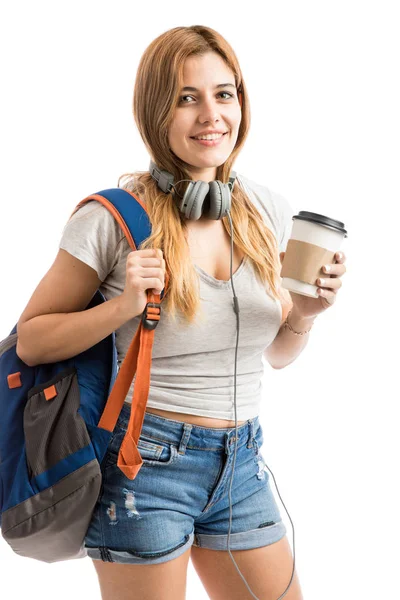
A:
194	138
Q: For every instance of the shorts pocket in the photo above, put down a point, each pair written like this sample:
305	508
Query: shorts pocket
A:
154	452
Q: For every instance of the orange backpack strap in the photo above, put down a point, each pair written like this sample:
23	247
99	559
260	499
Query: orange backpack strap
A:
138	356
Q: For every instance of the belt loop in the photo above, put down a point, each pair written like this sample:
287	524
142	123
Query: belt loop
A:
187	429
250	441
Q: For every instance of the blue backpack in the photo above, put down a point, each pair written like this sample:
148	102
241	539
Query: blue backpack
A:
56	420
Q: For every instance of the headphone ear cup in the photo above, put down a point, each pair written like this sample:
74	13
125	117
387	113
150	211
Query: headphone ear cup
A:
220	200
194	199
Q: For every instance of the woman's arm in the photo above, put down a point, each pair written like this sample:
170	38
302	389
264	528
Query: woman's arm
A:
287	346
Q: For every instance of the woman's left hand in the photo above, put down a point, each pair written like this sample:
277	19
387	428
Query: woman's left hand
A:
328	286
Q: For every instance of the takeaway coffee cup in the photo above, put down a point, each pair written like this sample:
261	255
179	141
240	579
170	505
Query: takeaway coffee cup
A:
313	242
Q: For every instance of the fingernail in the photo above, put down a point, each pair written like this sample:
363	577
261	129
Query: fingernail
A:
327	268
340	255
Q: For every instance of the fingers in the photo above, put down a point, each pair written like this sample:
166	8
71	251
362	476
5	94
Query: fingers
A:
333	283
329	285
156	255
159	255
328	295
340	257
338	268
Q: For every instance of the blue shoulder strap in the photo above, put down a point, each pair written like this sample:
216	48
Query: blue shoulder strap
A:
132	213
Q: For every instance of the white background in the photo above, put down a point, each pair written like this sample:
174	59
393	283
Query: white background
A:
323	79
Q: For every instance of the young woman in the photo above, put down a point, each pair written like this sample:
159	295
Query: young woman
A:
142	533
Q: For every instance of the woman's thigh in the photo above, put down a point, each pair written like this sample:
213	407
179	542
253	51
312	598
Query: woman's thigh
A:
143	582
267	571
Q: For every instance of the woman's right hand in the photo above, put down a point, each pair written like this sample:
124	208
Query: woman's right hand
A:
145	269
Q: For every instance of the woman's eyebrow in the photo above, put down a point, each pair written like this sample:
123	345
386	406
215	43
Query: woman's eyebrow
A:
193	89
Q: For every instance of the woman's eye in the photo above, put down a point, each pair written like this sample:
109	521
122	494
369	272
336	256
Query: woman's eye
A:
228	93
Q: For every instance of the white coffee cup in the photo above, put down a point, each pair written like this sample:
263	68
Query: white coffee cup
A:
314	240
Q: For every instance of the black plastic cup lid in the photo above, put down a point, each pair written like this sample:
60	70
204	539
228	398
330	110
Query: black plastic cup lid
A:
304	215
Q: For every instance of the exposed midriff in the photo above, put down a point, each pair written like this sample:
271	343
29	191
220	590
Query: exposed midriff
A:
194	419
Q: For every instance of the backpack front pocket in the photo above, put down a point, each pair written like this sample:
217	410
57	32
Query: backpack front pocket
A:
54	430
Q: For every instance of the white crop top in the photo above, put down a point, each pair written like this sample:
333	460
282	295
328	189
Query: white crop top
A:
192	369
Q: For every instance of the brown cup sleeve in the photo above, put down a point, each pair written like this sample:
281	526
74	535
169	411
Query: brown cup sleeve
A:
304	261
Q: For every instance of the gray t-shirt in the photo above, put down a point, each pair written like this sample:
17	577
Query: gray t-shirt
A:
193	366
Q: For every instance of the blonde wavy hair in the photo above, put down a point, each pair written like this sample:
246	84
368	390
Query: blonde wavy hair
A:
158	83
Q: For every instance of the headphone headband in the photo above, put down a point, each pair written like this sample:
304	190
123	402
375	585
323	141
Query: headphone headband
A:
165	180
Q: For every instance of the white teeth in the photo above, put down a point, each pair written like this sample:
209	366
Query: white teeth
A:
213	136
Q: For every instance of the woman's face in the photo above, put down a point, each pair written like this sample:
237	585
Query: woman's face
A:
208	108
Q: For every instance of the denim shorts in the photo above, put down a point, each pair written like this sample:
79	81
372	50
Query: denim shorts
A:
180	495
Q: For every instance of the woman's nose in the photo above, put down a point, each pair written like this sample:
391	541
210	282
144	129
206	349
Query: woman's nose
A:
208	110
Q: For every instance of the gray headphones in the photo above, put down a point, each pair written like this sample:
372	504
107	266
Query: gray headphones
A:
211	199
